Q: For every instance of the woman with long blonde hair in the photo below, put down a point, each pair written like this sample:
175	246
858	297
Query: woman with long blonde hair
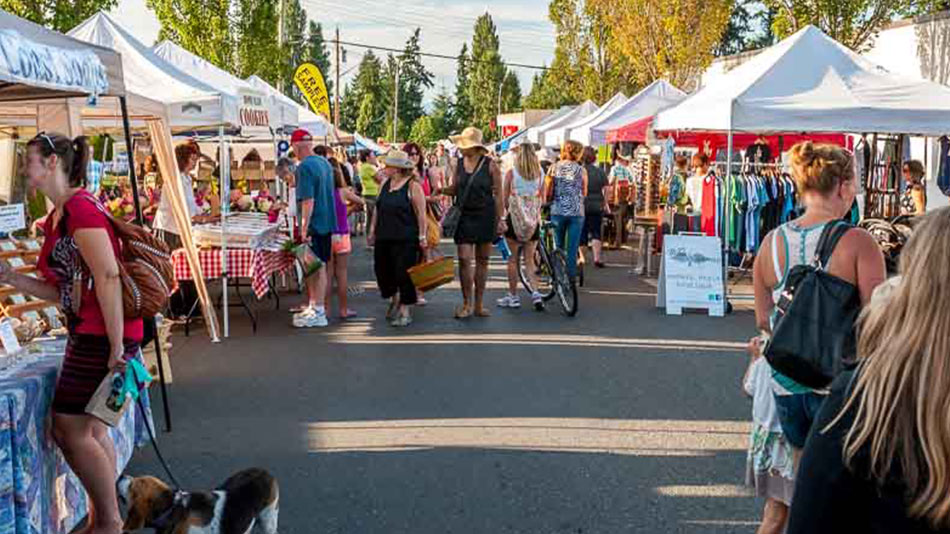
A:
878	459
522	192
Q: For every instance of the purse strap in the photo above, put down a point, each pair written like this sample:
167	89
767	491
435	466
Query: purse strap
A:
471	179
830	235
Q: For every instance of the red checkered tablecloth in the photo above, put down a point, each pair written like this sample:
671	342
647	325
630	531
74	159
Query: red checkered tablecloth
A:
258	265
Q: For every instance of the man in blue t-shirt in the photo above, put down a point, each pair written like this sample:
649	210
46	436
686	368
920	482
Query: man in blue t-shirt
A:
317	222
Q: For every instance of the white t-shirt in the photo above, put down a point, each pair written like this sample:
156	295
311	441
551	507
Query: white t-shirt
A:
694	190
164	220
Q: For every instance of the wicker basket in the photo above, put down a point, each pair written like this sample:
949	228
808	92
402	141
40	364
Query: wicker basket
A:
432	274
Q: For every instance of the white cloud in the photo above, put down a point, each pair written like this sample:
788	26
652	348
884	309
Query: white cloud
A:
526	35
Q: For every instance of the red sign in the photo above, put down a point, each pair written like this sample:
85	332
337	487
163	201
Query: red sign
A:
508	130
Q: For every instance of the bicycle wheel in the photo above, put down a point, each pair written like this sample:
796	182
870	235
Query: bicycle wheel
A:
565	289
542	271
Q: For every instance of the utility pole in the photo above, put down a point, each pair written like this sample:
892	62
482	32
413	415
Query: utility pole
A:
336	86
396	101
280	39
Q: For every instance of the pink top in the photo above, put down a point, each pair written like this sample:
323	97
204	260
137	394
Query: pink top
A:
58	259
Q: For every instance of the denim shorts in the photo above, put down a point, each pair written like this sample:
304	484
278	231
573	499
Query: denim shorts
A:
796	413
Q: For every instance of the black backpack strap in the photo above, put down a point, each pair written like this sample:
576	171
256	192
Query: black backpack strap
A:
830	235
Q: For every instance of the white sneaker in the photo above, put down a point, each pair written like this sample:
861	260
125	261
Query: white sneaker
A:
310	318
509	301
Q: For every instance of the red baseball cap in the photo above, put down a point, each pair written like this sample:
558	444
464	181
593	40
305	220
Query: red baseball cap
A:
300	135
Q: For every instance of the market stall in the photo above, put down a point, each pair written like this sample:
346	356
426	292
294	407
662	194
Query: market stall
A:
806	83
185	102
651	99
38	492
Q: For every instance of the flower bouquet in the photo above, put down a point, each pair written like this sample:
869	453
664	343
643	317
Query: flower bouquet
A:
305	255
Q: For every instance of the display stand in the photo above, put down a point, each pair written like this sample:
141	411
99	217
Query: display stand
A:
691	275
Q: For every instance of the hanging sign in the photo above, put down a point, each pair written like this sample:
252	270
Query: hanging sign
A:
691	275
310	82
49	66
253	113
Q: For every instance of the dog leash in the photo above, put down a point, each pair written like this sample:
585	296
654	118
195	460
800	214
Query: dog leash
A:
151	437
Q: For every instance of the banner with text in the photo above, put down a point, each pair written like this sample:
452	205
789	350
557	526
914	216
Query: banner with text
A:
311	84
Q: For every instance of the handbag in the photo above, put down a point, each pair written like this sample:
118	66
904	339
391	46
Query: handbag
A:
431	274
525	214
814	334
433	229
450	223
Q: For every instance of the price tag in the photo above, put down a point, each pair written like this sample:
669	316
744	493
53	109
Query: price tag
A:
10	343
16	262
18	299
7	246
12	218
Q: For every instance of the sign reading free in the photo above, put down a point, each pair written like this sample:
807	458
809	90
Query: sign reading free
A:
310	82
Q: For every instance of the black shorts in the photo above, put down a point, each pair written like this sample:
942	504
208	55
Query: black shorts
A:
322	246
593	222
510	232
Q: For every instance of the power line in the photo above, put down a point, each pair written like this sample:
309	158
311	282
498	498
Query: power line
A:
440	56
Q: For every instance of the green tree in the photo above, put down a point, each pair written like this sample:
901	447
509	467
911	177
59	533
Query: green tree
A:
462	112
510	93
487	75
202	27
442	112
853	23
672	39
256	40
318	54
59	15
414	80
738	36
426	131
295	38
363	107
545	93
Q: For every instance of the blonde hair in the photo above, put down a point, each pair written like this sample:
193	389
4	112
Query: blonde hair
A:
820	167
571	150
902	389
526	163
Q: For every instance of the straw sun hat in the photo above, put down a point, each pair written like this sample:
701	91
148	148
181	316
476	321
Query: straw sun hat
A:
470	137
398	159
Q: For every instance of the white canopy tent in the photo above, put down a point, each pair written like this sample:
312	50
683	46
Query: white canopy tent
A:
536	134
258	114
653	98
188	102
504	144
811	83
556	136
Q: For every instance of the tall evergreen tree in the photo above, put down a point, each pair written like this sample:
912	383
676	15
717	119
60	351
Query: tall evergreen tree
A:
487	75
511	93
364	106
319	54
256	47
462	110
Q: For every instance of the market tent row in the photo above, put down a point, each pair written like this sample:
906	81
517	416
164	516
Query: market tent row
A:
537	134
106	70
811	83
318	125
653	98
505	144
557	136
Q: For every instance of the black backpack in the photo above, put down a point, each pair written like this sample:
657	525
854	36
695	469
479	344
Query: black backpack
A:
813	337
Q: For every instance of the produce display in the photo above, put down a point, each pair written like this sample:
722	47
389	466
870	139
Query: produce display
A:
30	316
244	230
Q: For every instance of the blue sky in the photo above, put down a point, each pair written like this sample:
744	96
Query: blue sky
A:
526	34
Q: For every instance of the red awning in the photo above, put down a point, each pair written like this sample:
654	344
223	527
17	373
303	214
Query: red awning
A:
637	132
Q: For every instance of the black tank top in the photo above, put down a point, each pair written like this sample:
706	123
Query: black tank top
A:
480	197
395	218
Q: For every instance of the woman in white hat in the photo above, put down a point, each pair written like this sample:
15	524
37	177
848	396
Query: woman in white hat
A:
477	188
398	231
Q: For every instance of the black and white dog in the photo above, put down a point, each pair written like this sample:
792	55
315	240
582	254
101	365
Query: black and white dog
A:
248	502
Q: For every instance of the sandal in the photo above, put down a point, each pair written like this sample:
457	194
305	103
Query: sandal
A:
463	312
482	312
350	314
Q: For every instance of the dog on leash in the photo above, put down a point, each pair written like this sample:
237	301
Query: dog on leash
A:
247	502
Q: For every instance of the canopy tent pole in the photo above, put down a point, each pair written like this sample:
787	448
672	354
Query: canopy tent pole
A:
727	186
139	220
225	177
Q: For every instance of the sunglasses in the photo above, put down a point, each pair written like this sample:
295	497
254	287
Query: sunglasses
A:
48	139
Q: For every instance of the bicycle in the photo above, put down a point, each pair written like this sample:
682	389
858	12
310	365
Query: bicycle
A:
552	274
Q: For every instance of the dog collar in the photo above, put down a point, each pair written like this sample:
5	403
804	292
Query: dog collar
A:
178	502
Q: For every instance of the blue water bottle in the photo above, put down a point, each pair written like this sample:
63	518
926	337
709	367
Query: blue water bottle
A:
502	245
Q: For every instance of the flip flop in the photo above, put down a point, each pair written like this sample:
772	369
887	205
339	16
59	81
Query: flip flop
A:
482	313
463	312
350	315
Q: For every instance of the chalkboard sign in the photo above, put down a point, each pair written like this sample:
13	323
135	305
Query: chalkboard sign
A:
691	275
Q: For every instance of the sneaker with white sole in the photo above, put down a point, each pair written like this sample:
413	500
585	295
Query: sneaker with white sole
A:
509	301
310	318
538	301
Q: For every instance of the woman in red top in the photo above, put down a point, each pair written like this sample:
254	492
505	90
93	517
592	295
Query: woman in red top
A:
79	236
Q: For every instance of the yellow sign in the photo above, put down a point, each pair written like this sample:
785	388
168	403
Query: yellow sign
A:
310	82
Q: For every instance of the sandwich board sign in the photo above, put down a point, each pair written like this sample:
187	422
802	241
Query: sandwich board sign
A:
691	275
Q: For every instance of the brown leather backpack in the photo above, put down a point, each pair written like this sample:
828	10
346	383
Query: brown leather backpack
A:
145	269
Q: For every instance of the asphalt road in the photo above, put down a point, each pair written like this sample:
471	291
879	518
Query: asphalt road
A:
619	420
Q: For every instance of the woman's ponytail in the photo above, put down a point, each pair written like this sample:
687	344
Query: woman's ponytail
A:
80	162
